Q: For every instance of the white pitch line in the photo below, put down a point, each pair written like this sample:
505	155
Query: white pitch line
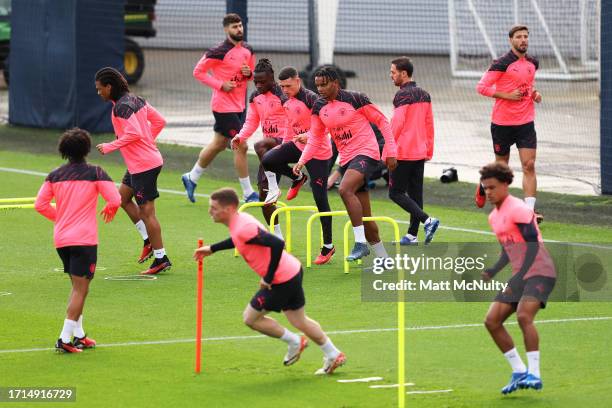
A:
459	229
408	384
339	332
429	392
361	380
38	173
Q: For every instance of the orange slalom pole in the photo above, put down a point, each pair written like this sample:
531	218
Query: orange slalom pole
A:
198	356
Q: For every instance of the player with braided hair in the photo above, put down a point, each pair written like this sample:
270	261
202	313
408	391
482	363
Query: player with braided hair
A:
137	124
346	115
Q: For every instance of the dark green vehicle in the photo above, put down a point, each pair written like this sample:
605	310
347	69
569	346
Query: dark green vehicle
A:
139	17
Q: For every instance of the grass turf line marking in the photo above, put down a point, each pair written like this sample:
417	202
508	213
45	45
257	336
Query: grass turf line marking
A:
5	293
428	392
381	330
459	229
408	384
361	380
131	278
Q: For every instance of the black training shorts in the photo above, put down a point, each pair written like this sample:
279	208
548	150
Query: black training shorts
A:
228	124
79	260
536	287
363	164
505	136
144	184
283	296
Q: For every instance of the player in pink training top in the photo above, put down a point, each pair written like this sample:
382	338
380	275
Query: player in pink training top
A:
413	130
75	187
510	80
137	124
265	109
298	107
346	115
280	286
231	64
533	275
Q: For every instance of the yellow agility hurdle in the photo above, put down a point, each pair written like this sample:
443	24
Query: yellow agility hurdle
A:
246	206
382	219
288	226
401	366
311	219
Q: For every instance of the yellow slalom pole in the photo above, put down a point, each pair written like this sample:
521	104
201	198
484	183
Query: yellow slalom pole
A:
401	335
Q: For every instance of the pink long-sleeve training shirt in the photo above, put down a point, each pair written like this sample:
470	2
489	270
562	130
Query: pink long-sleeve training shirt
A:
412	123
266	110
244	227
505	75
347	118
75	187
503	221
137	124
299	112
225	62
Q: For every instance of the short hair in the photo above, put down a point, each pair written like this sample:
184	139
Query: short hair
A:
264	65
226	196
110	76
404	64
327	71
497	170
231	18
74	144
517	27
287	72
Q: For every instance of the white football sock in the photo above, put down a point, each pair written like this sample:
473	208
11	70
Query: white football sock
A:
533	359
329	349
196	172
78	329
359	232
142	229
159	253
515	361
272	184
278	231
66	334
290	337
379	250
245	183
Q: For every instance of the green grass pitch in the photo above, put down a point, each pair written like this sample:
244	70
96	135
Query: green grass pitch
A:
145	330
